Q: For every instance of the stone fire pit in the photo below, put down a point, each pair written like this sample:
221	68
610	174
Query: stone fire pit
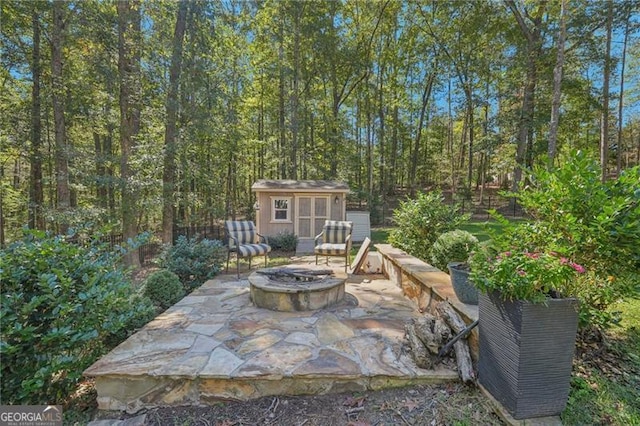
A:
291	289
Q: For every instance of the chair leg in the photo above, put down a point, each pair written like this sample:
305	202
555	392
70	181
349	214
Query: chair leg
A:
238	266
228	256
316	259
266	257
249	262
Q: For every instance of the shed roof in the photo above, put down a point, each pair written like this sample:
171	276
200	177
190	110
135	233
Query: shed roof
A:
299	186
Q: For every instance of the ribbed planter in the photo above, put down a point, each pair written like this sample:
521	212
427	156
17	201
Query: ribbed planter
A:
462	286
526	353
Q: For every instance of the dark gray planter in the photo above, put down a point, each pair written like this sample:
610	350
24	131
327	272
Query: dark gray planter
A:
526	353
462	286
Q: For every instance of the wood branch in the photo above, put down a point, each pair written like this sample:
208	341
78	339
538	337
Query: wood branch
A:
451	316
526	31
461	347
418	350
463	359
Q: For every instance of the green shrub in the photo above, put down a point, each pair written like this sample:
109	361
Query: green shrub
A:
60	303
285	241
452	246
142	310
163	288
193	260
421	221
595	224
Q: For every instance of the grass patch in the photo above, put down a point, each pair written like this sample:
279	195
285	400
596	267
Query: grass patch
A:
380	235
606	376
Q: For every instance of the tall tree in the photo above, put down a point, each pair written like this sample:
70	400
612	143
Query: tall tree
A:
531	28
170	143
604	122
557	83
627	18
63	194
129	75
36	196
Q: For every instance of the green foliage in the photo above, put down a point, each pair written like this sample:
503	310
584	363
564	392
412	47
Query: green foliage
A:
421	221
595	224
285	241
524	275
163	288
193	260
452	246
141	311
60	303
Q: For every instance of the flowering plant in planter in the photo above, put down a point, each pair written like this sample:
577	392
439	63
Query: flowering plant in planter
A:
524	275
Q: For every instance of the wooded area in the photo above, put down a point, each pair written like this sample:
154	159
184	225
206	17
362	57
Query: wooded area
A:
142	115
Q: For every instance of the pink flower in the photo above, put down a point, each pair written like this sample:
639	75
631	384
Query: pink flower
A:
564	260
521	272
507	253
579	268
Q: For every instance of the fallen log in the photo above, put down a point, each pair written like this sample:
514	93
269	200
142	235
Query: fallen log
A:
418	350
461	347
432	331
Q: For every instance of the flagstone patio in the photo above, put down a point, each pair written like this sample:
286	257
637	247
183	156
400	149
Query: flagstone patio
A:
215	344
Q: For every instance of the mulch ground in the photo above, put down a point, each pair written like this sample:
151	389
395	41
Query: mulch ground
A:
421	405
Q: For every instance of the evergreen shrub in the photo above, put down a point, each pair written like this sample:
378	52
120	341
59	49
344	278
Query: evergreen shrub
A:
452	246
163	288
193	260
284	241
60	305
420	221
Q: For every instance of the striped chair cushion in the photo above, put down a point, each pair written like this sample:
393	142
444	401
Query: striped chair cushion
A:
250	250
329	249
336	232
244	231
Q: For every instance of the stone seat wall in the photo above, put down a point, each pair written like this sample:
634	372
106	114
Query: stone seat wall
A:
426	285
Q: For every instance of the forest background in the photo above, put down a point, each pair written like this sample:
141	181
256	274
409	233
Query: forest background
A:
139	116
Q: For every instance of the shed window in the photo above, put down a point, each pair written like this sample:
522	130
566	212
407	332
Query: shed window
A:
280	209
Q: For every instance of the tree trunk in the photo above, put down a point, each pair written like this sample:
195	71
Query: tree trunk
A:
604	129
36	197
128	70
620	102
426	95
557	89
525	124
62	167
170	144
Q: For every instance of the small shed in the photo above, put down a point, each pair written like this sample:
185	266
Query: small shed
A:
298	206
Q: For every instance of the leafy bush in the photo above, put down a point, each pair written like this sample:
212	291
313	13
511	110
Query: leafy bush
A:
141	311
60	302
452	246
595	224
285	241
194	261
421	221
163	288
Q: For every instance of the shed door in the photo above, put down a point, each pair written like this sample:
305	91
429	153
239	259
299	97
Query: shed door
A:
312	211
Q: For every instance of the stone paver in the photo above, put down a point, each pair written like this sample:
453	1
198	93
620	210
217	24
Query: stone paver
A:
215	344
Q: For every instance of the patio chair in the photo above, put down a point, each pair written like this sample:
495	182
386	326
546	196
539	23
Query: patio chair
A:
244	240
334	240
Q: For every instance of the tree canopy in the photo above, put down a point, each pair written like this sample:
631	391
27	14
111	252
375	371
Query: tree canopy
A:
140	115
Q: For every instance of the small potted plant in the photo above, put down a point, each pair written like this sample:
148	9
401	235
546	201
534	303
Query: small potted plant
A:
451	251
528	322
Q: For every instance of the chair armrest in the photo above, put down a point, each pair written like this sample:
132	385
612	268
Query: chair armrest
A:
315	240
265	238
235	240
348	241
